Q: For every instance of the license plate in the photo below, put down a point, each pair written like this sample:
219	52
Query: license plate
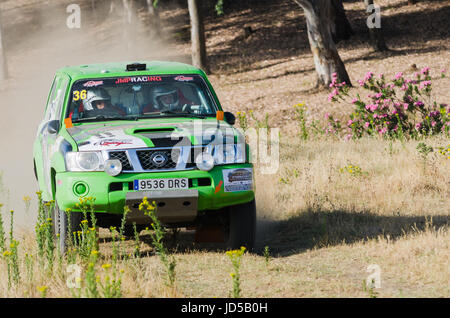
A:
161	184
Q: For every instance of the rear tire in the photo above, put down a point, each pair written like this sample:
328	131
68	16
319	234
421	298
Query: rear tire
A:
242	226
34	170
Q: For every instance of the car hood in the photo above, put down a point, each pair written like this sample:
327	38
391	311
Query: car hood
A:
115	136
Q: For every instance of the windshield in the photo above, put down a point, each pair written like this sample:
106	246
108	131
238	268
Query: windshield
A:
134	97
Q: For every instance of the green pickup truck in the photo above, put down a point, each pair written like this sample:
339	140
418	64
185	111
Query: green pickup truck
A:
119	132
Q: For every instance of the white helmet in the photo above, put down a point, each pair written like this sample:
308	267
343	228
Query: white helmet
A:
160	92
93	95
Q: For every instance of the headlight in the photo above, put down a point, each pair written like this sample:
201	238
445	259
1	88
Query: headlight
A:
84	161
229	153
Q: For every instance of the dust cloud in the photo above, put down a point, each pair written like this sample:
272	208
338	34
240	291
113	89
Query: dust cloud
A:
38	43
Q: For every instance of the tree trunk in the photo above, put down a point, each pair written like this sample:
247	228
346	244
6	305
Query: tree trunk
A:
114	6
129	24
155	23
374	24
3	63
94	10
128	11
341	29
327	61
197	36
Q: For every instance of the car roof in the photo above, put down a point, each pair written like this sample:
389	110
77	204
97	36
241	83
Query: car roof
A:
119	69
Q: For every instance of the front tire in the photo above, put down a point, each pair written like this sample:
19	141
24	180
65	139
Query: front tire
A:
242	226
62	226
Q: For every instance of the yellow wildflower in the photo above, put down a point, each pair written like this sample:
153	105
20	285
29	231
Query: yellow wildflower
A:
106	266
42	289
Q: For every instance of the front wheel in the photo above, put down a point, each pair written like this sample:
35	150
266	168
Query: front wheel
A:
65	225
242	226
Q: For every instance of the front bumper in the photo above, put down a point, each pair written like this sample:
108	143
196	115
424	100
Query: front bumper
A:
110	193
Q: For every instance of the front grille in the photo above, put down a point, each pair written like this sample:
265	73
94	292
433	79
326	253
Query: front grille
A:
146	159
122	157
194	152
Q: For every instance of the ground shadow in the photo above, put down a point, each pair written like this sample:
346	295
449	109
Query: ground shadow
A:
305	231
175	240
317	229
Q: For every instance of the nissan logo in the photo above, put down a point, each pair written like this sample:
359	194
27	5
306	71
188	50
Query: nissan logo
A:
159	159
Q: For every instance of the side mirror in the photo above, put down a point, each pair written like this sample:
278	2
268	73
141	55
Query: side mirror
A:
53	126
229	118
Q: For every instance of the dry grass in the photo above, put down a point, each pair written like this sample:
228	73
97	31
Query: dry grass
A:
323	228
393	178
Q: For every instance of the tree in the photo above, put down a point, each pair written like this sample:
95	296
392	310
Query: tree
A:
153	11
128	11
341	28
3	63
319	20
374	24
198	45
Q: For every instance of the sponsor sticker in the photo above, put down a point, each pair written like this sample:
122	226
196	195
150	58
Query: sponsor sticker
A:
138	79
182	78
240	179
93	83
112	139
113	142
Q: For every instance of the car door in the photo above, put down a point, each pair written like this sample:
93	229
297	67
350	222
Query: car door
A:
46	139
37	148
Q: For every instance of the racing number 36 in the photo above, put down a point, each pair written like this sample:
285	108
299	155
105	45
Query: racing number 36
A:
77	95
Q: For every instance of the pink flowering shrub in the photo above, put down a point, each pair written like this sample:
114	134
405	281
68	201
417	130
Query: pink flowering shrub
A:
394	108
333	125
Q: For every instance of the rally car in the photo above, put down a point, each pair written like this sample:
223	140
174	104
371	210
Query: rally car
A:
119	132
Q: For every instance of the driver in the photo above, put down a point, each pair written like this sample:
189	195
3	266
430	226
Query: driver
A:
98	103
166	97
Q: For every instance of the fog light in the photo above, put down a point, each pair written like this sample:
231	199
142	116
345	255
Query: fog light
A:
113	167
204	161
80	188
